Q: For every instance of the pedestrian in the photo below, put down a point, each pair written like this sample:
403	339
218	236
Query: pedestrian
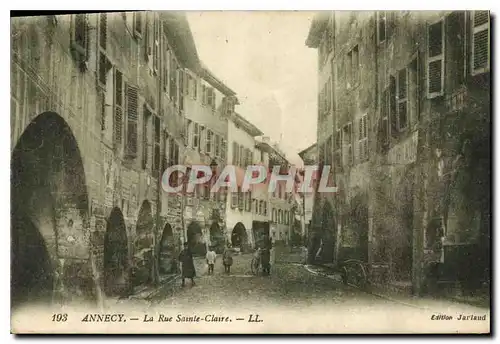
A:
265	258
186	260
211	258
227	259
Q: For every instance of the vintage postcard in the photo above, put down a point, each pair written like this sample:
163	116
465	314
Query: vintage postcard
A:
251	172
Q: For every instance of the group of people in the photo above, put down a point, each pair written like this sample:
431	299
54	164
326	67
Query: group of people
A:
189	272
187	264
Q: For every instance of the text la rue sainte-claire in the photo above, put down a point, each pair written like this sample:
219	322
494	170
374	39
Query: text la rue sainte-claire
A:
179	318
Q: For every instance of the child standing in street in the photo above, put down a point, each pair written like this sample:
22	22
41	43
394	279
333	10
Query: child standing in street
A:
211	258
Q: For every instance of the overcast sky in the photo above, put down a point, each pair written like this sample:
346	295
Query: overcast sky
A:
263	58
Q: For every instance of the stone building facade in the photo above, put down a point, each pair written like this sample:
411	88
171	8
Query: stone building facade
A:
98	111
404	118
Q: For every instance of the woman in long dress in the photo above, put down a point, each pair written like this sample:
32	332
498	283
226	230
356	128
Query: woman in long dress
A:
186	260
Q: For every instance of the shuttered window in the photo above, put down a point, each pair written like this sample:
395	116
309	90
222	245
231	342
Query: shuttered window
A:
337	156
138	22
392	106
80	37
435	67
156	44
118	113
196	136
157	135
383	132
132	116
103	30
363	138
347	138
402	108
217	145
223	149
236	151
381	26
209	142
145	136
480	42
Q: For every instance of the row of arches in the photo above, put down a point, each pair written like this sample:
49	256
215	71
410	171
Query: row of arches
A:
50	218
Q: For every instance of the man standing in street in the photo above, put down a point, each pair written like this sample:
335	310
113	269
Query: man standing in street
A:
211	257
186	260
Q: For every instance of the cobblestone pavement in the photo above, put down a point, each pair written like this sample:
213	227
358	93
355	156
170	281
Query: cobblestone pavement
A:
294	291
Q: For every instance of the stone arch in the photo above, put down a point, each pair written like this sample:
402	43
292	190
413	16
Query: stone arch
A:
166	252
358	226
143	245
116	257
239	236
49	192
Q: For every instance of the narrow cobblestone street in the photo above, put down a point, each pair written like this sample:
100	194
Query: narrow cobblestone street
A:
294	289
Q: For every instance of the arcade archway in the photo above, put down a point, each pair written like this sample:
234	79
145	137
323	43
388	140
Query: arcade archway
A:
48	191
166	254
116	267
239	236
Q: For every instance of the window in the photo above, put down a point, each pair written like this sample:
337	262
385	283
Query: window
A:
195	88
217	145
103	30
145	136
156	45
363	138
347	143
392	106
180	89
138	24
480	42
260	209
196	136
241	156
381	26
118	113
203	138
402	87
435	51
223	149
236	151
241	199
157	127
265	208
329	151
209	142
337	160
234	200
248	204
103	69
132	116
80	39
383	139
353	67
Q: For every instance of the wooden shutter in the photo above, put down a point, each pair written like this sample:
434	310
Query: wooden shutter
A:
392	103
235	153
132	116
480	61
103	30
435	60
223	149
118	113
402	108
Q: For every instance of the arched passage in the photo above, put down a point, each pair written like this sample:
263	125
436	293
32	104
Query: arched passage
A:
216	237
48	192
116	267
239	236
328	231
143	255
194	238
166	254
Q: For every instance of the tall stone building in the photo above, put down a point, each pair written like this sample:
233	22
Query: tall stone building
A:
98	111
404	118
